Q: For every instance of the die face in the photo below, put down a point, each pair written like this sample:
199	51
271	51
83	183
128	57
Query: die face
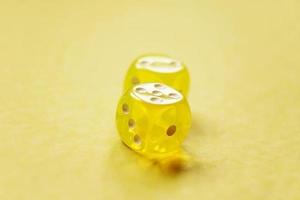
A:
156	119
156	94
132	122
169	127
158	68
159	64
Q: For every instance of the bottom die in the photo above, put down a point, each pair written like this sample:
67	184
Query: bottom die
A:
153	119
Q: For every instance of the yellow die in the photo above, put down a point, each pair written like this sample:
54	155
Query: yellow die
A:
158	68
153	119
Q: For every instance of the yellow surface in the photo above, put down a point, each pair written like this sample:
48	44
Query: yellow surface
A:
62	64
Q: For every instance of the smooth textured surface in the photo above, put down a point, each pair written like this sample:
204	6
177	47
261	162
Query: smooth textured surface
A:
62	64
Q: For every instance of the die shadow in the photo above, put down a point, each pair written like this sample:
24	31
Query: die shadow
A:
123	158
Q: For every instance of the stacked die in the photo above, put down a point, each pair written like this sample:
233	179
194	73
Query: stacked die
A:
153	116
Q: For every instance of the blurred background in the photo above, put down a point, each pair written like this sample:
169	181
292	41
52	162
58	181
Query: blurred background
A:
62	65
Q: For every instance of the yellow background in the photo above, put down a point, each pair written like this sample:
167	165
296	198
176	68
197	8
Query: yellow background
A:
62	64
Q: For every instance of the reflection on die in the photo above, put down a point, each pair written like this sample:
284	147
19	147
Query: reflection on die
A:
153	119
158	68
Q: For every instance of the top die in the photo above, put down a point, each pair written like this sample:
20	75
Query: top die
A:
158	68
